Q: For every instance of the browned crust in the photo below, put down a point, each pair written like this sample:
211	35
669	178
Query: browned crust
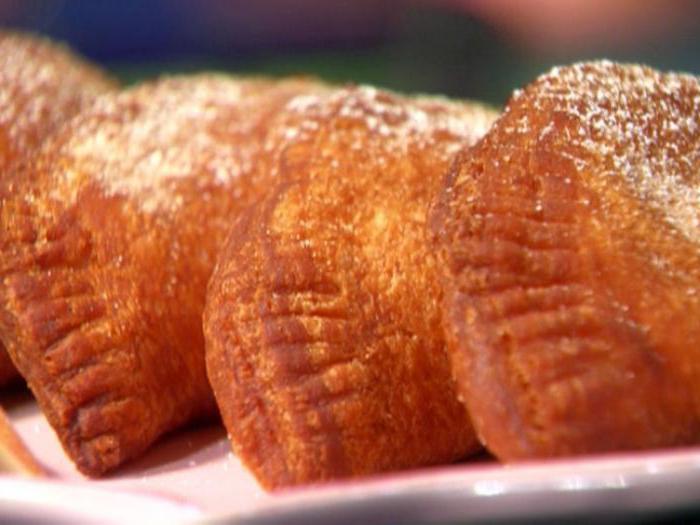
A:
569	318
8	372
324	346
42	84
45	84
111	240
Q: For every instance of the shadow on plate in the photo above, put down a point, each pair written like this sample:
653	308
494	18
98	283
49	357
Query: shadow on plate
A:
181	449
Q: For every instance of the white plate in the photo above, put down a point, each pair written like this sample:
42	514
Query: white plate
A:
193	476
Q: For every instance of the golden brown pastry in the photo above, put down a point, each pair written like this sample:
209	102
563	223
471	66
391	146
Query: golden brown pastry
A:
108	243
570	240
41	85
322	322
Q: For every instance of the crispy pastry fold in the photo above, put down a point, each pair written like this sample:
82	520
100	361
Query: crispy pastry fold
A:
324	343
42	84
570	243
109	239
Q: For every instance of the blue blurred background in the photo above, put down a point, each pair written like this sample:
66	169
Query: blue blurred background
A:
469	48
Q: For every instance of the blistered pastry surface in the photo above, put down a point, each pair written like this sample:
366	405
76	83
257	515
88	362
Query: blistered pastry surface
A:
324	345
641	123
569	239
112	234
42	84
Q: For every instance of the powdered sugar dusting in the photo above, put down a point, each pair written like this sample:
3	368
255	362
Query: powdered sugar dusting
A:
399	122
139	143
645	125
41	84
468	120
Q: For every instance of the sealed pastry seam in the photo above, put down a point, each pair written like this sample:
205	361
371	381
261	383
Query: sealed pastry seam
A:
555	248
353	375
42	85
127	204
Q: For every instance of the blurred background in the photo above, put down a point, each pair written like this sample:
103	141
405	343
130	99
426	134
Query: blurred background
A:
479	49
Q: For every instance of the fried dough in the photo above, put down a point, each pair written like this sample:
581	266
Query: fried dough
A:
41	85
110	241
570	243
322	322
